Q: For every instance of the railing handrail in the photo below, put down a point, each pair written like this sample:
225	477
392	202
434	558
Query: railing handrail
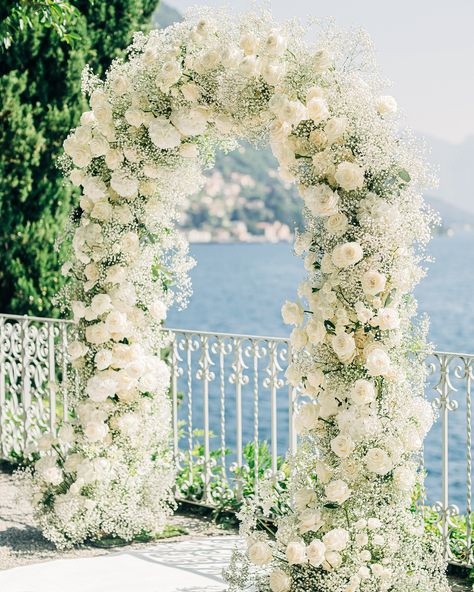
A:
207	333
220	334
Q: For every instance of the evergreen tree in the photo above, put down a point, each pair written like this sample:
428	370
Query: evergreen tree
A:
41	100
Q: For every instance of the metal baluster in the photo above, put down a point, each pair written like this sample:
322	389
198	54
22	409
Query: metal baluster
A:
25	382
468	377
52	378
255	353
174	397
205	379
273	404
65	376
221	346
190	405
237	378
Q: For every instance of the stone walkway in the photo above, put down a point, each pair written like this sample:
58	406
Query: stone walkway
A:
182	564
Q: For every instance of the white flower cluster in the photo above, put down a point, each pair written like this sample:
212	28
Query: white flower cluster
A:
153	124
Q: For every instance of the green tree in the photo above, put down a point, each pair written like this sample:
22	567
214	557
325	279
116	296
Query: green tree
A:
41	100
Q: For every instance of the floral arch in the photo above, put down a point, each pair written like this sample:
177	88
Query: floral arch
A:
154	123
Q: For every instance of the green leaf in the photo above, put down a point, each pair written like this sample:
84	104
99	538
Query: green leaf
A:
404	175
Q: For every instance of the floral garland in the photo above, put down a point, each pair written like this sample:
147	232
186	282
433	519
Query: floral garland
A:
154	123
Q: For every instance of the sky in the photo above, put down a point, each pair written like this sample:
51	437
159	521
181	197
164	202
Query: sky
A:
426	47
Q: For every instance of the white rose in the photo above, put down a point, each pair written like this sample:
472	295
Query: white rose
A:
96	431
45	442
347	254
304	498
404	478
120	85
134	117
363	392
66	433
100	387
315	379
77	177
296	553
337	491
335	128
378	461
293	374
80	153
97	333
249	66
190	122
362	539
77	349
117	323
163	134
100	304
249	43
342	445
307	418
103	113
260	553
114	158
189	150
298	339
316	551
321	200
51	474
191	92
124	185
272	72
374	523
292	313
337	224
123	214
130	243
292	112
373	282
116	274
363	313
302	243
103	359
323	472
378	362
350	176
328	405
99	146
309	521
336	539
72	462
387	319
333	560
316	331
280	581
158	310
322	60
231	57
344	346
169	74
276	43
317	109
386	104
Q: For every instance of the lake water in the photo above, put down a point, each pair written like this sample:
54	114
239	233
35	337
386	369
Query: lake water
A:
239	288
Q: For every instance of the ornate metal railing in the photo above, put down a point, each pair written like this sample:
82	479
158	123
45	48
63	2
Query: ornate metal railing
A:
229	396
